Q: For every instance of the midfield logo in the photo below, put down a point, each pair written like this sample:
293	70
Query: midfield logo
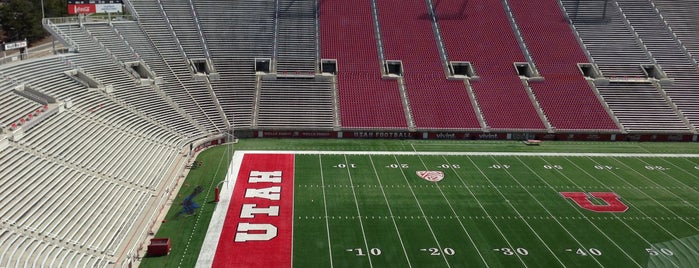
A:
583	201
433	176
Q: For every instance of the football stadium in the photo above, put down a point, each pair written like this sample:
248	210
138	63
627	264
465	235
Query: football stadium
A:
352	133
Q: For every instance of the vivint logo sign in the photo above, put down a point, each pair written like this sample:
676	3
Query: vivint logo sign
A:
81	9
94	8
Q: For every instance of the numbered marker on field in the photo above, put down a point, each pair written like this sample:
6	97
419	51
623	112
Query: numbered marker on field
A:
588	252
498	166
659	168
558	167
398	166
511	252
360	251
437	252
345	166
656	252
601	167
454	166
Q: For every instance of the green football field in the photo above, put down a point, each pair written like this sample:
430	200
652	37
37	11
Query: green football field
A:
493	211
372	210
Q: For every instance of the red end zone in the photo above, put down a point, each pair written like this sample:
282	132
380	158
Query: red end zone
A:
257	231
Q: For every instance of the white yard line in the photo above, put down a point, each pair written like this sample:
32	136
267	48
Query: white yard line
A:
453	211
325	207
642	212
577	209
507	241
361	224
469	153
516	211
672	177
424	216
547	211
655	183
390	211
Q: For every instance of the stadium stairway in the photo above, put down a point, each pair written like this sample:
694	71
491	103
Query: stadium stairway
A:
500	92
365	99
435	102
237	33
564	95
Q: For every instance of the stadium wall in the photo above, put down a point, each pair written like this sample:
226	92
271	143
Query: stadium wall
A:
468	135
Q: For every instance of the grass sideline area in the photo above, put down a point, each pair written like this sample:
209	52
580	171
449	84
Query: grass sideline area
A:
182	229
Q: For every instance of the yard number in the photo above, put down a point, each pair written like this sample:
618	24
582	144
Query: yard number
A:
436	251
656	168
454	166
696	167
600	167
590	251
345	165
510	252
656	252
360	251
559	167
497	166
397	166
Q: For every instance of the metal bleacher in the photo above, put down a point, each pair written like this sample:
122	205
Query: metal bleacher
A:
681	15
296	38
669	54
610	41
640	108
237	32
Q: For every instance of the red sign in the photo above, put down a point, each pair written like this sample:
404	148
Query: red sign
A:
81	9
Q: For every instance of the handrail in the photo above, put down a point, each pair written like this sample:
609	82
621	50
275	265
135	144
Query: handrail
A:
131	9
51	27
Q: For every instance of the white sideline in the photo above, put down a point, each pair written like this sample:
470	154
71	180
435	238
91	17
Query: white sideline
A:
213	232
469	153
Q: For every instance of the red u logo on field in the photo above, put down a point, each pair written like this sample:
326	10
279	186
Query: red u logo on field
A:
583	200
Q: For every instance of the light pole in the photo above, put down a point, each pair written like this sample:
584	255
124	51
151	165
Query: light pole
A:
42	9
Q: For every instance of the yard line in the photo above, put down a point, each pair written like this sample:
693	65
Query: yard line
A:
424	216
684	170
652	181
325	207
484	210
547	211
576	208
453	211
356	204
516	211
390	211
641	211
673	178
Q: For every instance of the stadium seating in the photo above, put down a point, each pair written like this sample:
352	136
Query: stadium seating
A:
681	16
641	108
81	184
407	35
565	96
469	30
366	101
296	104
237	32
667	51
297	33
609	40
